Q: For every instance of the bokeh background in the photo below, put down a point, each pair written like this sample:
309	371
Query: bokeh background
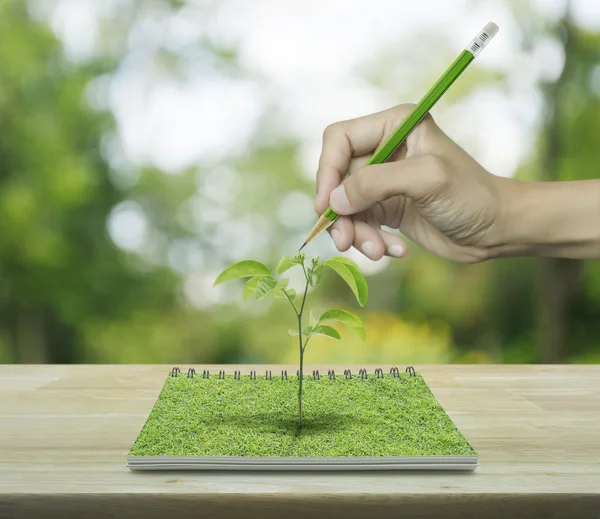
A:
145	145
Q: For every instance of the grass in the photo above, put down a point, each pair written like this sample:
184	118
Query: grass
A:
373	417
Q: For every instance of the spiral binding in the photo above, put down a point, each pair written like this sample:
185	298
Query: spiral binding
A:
237	374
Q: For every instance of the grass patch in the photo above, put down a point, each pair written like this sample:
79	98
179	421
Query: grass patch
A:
373	417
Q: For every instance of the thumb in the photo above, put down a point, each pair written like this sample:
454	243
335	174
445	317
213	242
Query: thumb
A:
415	177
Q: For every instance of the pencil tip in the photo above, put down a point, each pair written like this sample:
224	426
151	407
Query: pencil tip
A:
302	247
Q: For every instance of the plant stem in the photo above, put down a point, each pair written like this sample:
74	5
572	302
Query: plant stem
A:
305	291
301	372
301	375
291	302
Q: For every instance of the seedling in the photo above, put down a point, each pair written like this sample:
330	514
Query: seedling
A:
263	283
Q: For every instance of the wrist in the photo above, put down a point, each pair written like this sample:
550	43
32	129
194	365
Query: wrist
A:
560	219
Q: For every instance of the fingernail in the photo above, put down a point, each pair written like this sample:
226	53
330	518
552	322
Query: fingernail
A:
368	247
335	234
396	251
338	200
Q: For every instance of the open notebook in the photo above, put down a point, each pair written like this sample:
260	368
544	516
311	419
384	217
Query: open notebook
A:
351	421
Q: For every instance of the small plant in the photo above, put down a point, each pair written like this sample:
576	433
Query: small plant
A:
263	283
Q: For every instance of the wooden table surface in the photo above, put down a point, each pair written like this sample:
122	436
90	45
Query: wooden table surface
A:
65	432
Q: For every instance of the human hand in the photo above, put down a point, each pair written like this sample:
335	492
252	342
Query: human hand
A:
431	190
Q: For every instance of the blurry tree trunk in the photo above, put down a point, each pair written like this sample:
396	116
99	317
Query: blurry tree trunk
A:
559	279
560	283
31	340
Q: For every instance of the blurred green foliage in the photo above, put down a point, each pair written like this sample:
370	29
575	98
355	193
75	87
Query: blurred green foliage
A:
60	275
68	294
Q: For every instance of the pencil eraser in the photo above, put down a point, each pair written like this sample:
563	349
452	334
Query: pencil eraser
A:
478	43
491	28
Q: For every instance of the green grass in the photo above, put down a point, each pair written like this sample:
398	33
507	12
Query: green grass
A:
373	417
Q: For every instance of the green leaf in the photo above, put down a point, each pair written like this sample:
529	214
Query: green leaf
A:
361	284
312	320
250	287
315	275
291	293
243	269
265	287
306	331
287	263
279	290
345	261
326	331
352	276
348	318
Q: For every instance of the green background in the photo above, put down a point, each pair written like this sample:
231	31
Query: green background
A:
68	294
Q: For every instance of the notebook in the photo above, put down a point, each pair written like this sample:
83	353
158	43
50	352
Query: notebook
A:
351	421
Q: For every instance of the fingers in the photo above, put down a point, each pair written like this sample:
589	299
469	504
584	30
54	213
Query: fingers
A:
415	177
395	246
341	141
368	240
371	241
347	139
342	233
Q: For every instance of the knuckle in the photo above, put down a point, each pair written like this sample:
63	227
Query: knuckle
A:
332	129
407	107
402	110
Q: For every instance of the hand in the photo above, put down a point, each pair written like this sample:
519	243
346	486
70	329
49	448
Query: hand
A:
430	189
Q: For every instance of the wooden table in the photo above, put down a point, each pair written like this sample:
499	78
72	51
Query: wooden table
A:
65	432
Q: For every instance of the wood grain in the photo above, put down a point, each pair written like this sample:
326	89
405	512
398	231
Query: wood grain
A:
65	432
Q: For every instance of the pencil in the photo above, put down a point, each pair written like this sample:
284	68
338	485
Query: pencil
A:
398	136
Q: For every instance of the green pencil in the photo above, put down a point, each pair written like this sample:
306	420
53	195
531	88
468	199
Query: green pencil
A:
384	152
